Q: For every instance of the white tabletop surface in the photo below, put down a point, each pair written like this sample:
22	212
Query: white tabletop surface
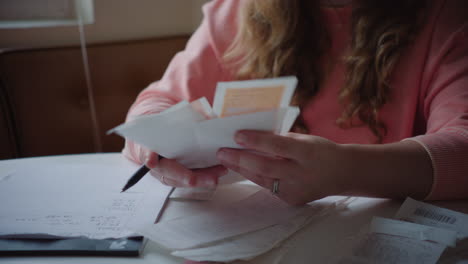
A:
318	242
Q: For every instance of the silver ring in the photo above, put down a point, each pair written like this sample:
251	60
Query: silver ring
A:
275	189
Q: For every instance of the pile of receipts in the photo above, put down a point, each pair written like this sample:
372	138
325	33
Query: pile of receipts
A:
419	233
193	132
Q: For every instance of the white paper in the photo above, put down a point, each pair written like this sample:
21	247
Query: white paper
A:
414	231
427	214
65	198
255	212
193	133
6	172
289	118
190	193
195	143
386	249
249	245
169	133
219	133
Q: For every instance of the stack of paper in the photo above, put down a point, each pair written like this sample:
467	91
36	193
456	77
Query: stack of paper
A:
235	230
193	132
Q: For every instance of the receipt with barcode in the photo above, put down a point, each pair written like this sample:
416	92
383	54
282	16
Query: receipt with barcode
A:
427	214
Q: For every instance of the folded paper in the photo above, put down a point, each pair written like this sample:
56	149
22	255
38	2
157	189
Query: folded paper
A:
192	133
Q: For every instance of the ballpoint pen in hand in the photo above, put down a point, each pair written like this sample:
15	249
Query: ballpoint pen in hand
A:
137	176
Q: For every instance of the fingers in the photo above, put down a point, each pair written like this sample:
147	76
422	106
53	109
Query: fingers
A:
254	165
268	142
172	173
151	160
268	183
208	177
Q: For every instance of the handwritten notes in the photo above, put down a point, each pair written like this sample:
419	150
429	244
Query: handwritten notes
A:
59	224
71	197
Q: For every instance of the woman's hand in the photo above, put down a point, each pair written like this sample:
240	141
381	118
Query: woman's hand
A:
172	173
307	167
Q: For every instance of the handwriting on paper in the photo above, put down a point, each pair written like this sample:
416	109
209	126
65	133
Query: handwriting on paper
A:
76	198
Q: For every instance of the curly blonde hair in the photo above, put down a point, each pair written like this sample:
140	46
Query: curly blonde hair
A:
272	42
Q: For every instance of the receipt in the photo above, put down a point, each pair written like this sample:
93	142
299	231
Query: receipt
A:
427	214
415	231
192	133
387	249
244	97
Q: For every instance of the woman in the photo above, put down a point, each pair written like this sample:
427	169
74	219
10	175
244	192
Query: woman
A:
383	92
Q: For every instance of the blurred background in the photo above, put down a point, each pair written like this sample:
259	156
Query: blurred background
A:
70	69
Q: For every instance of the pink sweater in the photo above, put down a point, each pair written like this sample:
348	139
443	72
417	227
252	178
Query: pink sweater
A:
429	100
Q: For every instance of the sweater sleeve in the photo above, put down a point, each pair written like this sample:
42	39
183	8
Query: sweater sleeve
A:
193	72
445	104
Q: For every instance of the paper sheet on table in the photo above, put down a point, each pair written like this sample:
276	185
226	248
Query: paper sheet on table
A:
257	211
252	244
386	249
414	231
68	199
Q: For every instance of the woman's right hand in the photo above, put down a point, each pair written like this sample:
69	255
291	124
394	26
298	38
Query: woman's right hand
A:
172	173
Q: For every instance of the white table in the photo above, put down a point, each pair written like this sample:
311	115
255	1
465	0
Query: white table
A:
316	243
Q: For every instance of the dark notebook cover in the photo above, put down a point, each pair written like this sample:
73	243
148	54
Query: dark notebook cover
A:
72	247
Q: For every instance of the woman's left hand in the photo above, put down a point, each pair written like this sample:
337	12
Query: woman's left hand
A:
307	167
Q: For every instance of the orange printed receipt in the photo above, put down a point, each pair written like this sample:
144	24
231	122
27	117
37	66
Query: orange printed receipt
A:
250	100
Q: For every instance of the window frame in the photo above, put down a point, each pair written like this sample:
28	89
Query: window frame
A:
83	9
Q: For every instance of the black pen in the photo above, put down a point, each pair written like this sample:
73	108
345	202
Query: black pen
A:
136	177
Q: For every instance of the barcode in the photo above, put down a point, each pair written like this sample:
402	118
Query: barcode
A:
435	216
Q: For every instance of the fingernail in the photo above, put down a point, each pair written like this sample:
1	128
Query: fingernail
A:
150	163
224	155
210	182
191	181
241	138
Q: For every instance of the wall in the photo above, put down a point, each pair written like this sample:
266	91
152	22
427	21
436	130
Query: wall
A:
115	20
